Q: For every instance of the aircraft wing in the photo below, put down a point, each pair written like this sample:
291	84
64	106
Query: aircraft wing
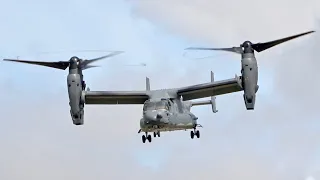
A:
210	89
115	97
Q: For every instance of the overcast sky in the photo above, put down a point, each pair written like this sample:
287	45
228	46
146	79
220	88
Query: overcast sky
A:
279	140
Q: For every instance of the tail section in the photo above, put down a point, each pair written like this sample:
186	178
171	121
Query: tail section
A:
213	98
147	84
207	102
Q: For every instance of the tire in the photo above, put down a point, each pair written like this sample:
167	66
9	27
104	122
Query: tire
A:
149	138
144	139
191	134
198	134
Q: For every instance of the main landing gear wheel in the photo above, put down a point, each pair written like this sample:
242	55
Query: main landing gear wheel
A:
155	134
149	138
143	138
146	137
195	132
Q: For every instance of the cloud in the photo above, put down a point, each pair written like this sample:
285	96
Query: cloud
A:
230	21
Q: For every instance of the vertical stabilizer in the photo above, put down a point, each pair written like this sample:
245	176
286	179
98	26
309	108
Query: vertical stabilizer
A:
213	98
212	76
147	84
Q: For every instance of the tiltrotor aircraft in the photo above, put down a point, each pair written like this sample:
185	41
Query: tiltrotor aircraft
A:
75	82
163	110
249	67
167	109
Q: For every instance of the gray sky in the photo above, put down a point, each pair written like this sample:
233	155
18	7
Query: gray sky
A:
279	140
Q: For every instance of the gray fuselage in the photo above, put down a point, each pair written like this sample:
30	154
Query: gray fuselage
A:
167	115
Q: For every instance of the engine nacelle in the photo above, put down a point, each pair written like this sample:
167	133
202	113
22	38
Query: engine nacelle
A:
249	79
249	96
76	100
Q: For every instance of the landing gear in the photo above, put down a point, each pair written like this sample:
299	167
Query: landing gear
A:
155	134
198	134
83	83
146	137
195	132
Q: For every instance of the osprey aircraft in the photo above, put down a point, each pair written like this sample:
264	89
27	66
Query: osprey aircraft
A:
249	67
163	110
167	109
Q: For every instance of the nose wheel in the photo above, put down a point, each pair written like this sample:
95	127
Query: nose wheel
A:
195	133
146	137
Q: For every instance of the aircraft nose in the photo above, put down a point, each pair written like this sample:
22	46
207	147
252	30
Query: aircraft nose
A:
159	116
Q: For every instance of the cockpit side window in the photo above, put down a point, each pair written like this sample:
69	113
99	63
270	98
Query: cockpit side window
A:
167	106
149	106
145	105
162	105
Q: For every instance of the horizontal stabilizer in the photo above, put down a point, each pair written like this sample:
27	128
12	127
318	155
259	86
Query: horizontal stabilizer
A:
206	102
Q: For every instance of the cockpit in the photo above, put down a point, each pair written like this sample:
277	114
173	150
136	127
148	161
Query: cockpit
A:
163	104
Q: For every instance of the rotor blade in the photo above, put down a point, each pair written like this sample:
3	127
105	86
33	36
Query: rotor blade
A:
233	49
263	46
141	64
86	62
58	65
89	66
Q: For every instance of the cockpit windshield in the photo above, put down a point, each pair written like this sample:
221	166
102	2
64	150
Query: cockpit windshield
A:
163	104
